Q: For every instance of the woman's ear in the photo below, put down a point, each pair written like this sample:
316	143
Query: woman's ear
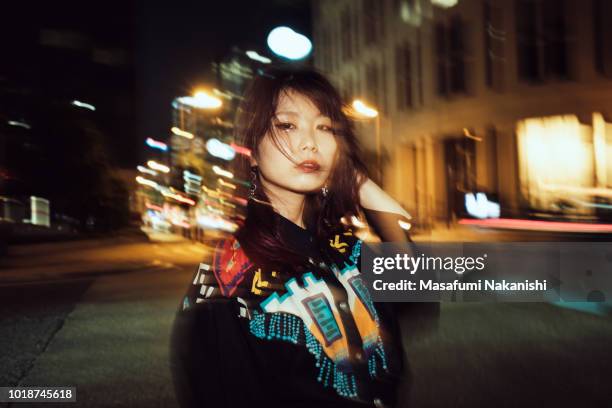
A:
252	161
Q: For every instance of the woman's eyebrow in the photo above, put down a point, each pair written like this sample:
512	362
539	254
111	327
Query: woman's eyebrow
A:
320	115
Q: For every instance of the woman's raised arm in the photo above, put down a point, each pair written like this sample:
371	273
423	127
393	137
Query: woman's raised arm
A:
372	197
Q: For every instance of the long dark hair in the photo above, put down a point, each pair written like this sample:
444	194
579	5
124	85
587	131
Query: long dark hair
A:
260	235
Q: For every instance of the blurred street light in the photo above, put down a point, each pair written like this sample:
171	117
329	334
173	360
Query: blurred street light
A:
19	124
157	144
364	110
368	112
146	182
83	105
444	3
180	132
219	149
285	42
201	100
225	183
178	197
241	149
153	207
206	101
225	203
143	169
221	172
256	57
158	166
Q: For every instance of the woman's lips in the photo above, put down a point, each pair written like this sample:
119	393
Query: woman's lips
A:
309	166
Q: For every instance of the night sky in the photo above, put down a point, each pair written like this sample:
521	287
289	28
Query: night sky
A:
169	48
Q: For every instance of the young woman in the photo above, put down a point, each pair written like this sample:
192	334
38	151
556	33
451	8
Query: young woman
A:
281	316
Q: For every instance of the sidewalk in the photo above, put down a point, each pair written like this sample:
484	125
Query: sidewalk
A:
76	243
113	347
74	271
116	254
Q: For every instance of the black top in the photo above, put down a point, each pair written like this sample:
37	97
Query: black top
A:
246	336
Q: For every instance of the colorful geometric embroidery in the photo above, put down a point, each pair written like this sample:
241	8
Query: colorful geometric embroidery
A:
362	293
230	265
259	283
322	315
335	243
292	302
307	315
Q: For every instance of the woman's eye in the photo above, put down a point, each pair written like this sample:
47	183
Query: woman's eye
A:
326	128
285	126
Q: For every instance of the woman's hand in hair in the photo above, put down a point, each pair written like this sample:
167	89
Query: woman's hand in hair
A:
372	197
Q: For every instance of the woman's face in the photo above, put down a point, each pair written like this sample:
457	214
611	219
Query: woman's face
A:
306	136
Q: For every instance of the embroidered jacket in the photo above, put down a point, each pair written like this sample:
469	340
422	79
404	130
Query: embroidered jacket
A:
248	336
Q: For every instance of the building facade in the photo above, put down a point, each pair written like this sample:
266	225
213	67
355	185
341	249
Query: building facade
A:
508	97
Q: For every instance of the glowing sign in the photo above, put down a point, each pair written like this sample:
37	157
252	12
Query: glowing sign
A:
480	207
40	211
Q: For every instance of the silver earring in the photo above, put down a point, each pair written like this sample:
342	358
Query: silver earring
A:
325	190
253	183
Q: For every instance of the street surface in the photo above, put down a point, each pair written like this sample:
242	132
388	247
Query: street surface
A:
97	315
104	330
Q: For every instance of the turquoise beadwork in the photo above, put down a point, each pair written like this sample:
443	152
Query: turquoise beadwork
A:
355	252
288	327
291	328
377	358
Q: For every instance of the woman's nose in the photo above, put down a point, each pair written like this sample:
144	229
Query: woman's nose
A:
308	143
309	146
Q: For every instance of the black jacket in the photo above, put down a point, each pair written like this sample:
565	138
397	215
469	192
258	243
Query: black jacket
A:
245	336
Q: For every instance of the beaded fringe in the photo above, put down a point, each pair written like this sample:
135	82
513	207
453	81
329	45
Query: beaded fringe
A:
377	358
356	252
288	327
